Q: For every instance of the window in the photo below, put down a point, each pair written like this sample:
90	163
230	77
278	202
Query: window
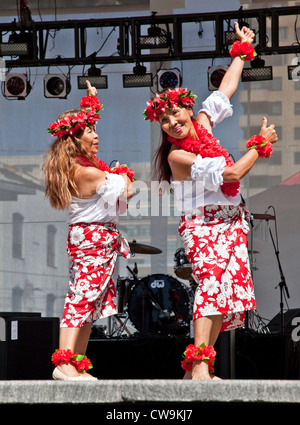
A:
51	236
17	235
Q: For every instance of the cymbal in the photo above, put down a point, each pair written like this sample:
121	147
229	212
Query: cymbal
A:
138	248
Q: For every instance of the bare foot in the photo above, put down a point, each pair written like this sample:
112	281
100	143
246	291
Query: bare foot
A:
68	370
200	371
215	378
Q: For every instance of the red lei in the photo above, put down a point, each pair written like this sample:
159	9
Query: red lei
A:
208	147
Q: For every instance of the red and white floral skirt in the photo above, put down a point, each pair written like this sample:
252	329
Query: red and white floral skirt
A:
92	250
215	241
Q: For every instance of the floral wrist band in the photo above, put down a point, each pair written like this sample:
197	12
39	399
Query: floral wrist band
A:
79	361
200	353
123	169
244	50
262	146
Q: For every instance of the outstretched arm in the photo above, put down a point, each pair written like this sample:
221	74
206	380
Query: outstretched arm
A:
231	79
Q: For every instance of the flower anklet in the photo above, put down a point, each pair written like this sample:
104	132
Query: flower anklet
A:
200	353
79	361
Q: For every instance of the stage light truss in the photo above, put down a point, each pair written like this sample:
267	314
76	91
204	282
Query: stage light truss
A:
132	47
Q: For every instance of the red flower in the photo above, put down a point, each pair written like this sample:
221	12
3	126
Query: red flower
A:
186	366
123	169
61	356
176	97
263	147
193	353
245	50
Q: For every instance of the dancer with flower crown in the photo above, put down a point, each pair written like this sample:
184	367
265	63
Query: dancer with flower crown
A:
214	222
94	195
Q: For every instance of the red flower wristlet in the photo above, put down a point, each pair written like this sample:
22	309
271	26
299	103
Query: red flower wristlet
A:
244	50
123	169
263	146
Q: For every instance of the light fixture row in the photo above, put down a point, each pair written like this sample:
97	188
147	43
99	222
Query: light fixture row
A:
58	85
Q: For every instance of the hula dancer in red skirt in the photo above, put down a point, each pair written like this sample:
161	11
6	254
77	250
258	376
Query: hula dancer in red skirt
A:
213	224
94	195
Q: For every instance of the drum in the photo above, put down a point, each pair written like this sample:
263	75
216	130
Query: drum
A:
124	285
160	304
182	269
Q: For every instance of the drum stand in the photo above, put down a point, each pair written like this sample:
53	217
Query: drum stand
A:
116	327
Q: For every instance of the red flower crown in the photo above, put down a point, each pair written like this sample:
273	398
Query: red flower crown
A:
87	116
173	98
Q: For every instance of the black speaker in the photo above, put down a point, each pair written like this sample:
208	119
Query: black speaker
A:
266	356
26	345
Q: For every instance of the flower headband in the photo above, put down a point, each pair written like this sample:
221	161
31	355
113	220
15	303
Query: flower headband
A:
87	116
178	97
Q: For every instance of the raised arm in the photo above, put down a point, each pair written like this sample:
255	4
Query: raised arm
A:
231	79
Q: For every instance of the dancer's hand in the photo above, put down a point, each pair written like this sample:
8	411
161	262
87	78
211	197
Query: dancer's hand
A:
244	34
90	89
268	132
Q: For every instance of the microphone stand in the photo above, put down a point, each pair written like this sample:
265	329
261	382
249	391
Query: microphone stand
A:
282	284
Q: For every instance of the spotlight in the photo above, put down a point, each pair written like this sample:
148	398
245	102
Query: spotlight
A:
215	75
139	78
294	69
19	44
257	73
157	38
16	85
168	78
95	78
56	85
294	72
13	49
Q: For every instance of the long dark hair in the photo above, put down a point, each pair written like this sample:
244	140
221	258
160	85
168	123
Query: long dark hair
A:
162	170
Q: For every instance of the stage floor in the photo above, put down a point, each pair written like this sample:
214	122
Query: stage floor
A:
149	391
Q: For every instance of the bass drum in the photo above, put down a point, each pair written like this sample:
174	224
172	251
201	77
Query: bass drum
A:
160	304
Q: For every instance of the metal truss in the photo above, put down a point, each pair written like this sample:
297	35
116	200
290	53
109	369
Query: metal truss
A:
130	49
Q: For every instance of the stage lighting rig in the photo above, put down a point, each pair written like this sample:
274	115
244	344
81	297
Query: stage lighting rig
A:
56	86
95	78
139	78
16	86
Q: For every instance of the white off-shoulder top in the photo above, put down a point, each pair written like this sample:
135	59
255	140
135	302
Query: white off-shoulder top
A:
102	207
203	187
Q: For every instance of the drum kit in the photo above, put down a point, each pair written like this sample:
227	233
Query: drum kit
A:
157	304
